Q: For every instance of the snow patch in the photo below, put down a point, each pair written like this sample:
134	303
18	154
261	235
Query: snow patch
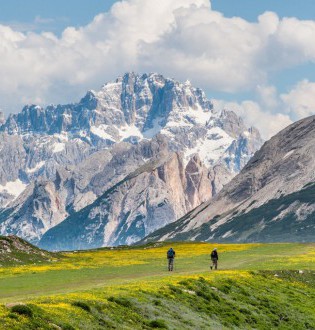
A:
101	132
227	234
36	168
164	237
132	239
67	115
210	149
188	116
14	188
63	136
151	132
288	154
127	131
110	86
201	116
58	147
109	229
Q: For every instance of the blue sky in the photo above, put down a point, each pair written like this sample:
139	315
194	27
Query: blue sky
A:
43	15
58	13
263	68
250	9
81	12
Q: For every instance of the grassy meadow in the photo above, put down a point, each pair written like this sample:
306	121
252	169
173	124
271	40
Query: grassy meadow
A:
257	286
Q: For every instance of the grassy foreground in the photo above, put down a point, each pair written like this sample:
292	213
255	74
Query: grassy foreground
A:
261	286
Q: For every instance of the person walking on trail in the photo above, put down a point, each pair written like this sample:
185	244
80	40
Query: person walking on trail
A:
170	258
214	258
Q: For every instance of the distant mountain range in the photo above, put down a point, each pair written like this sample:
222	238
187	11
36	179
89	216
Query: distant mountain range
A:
272	199
124	161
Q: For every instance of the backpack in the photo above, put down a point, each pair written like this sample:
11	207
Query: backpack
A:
213	254
170	253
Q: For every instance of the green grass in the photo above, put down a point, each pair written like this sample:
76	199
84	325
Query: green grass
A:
257	286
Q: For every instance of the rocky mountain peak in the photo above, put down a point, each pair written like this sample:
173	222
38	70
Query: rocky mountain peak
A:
57	160
231	123
89	101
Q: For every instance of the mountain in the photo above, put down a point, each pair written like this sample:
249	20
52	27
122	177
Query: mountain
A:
55	161
271	199
147	199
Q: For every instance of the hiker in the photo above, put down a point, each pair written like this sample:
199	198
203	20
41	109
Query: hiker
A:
214	258
170	258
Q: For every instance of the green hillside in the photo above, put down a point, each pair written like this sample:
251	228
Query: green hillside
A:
16	251
258	286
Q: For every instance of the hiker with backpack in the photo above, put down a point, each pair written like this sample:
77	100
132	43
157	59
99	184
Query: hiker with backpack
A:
170	258
214	259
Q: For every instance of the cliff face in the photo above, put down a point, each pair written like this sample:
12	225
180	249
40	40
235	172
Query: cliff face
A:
271	199
153	196
40	207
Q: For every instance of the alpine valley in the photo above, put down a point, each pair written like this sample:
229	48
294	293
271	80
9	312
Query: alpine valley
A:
123	162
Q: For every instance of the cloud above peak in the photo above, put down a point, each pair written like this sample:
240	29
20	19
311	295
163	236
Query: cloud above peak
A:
300	101
179	38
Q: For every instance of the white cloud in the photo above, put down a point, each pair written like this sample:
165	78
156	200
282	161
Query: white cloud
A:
272	111
268	97
300	101
179	38
43	20
268	123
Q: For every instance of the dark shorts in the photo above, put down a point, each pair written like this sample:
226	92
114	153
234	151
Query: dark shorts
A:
214	260
170	263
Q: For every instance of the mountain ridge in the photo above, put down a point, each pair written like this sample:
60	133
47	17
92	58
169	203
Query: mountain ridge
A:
78	151
259	200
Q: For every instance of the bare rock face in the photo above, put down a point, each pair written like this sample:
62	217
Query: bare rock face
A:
12	157
272	199
41	208
199	183
84	149
153	196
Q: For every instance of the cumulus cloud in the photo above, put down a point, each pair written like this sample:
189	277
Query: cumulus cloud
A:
300	101
268	97
179	38
272	112
267	122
